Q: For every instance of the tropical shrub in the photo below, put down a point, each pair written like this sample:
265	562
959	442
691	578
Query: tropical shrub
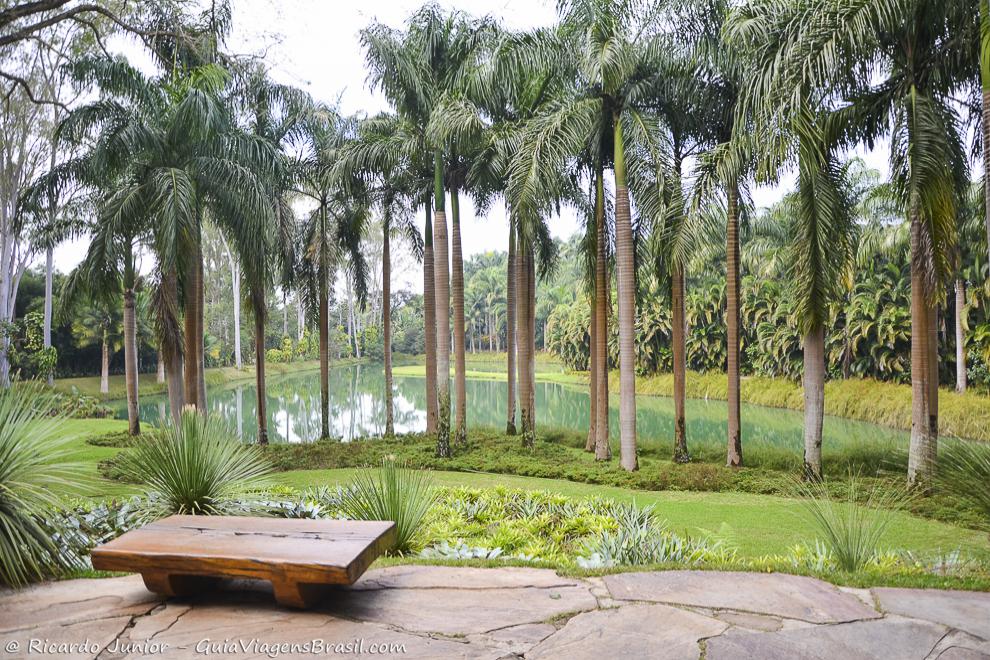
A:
852	531
35	465
196	467
394	493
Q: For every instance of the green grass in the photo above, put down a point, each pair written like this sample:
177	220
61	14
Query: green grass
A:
887	404
752	508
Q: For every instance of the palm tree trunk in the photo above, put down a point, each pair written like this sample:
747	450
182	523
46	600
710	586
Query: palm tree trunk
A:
457	291
919	467
814	402
625	264
258	303
985	77
430	316
105	364
933	371
589	445
47	322
387	323
191	351
324	305
960	336
734	454
522	337
681	454
441	275
510	333
200	333
531	349
170	343
603	450
235	278
130	348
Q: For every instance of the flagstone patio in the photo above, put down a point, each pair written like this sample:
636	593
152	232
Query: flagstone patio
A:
447	612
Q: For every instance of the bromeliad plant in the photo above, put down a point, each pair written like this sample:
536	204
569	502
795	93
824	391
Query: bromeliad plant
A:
197	467
35	466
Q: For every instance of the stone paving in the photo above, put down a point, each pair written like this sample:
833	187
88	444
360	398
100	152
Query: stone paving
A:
448	612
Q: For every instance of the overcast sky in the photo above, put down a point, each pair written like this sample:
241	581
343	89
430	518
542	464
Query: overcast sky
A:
313	44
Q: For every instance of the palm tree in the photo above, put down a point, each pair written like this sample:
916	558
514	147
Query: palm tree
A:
334	227
921	51
384	156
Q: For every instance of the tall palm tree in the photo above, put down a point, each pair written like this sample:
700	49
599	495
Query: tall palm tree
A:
332	229
384	155
910	57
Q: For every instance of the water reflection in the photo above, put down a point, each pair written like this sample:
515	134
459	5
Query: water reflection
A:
357	409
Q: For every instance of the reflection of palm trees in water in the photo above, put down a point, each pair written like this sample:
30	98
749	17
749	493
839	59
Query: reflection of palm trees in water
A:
357	409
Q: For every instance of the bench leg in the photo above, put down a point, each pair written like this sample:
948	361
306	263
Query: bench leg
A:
296	594
169	584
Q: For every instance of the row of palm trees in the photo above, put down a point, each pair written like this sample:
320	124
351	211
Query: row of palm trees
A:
645	89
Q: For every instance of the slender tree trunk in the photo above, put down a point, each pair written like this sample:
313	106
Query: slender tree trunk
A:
589	444
430	314
985	78
191	352
933	381
324	339
960	336
625	265
387	325
160	373
734	454
603	450
200	334
457	291
681	454
814	402
170	346
531	339
441	275
130	347
522	337
919	467
47	324
105	364
235	272
510	333
258	303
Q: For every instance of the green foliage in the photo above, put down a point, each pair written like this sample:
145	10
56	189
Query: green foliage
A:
851	531
197	467
964	472
287	353
35	462
394	493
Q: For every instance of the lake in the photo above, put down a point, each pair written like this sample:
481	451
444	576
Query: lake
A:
357	409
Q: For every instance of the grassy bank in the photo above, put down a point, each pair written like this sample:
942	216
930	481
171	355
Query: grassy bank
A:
732	507
887	404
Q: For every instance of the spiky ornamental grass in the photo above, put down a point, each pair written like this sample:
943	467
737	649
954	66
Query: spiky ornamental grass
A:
34	465
394	493
198	467
964	472
852	531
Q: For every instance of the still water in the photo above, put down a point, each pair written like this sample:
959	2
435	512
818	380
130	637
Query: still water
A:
357	409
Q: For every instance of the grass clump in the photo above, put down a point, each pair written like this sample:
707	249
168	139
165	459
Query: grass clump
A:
34	464
394	493
852	531
964	473
196	467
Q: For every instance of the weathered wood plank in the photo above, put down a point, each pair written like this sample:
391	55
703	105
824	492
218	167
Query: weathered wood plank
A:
176	554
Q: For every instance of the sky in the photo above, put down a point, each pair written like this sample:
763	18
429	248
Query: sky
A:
314	45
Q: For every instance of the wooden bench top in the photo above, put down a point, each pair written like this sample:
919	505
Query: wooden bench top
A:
175	553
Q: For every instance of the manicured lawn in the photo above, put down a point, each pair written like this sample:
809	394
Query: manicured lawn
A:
756	524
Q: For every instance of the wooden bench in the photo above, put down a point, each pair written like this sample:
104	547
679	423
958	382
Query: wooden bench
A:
182	555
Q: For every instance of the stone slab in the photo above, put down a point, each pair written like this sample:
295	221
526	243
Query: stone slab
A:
965	610
776	594
658	632
458	577
890	639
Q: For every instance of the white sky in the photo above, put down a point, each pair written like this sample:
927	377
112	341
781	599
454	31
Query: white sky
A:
313	44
